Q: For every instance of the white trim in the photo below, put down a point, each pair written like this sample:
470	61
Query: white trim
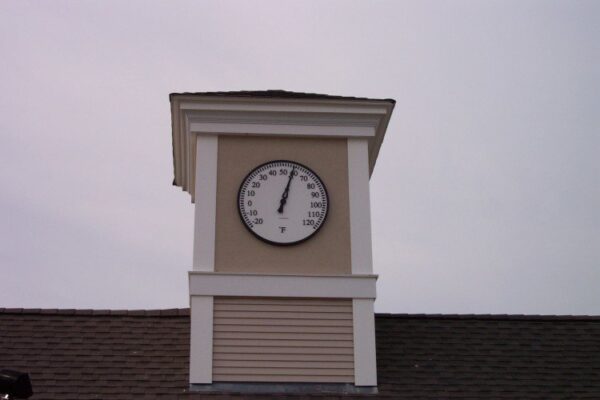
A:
206	202
315	117
201	339
217	128
365	362
282	105
224	284
360	207
188	154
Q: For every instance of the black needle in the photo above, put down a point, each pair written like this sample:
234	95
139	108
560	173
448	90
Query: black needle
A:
284	196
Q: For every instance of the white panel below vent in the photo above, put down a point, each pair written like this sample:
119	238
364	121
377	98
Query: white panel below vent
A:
282	340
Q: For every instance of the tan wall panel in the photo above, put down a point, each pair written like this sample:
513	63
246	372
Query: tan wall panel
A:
259	348
328	252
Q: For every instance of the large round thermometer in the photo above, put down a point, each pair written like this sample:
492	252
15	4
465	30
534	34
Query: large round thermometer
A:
283	202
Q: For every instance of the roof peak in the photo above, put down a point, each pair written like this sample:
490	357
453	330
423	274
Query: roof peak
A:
278	93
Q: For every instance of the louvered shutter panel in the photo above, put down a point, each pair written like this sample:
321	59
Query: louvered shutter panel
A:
282	340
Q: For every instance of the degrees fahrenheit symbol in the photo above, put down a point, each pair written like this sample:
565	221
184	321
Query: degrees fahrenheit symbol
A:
284	196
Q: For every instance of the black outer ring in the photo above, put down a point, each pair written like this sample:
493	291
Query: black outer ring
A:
270	241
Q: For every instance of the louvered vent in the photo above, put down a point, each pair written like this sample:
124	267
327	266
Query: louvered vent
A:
282	340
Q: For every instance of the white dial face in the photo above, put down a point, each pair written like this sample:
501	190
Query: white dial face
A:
283	202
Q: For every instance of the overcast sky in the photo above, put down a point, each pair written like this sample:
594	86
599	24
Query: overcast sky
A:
485	197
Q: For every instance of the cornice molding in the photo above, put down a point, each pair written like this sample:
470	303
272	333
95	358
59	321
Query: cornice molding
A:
197	115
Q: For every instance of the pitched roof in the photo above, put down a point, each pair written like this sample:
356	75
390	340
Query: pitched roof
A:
277	94
90	354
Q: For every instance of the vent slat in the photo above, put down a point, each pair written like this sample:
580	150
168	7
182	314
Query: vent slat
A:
282	321
282	350
284	357
282	343
283	371
282	364
286	336
282	378
283	308
282	301
267	314
280	328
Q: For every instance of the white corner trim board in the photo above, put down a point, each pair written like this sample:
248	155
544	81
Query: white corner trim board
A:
360	206
201	343
205	203
365	363
224	284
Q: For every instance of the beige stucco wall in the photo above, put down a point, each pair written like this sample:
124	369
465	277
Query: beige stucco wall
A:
237	250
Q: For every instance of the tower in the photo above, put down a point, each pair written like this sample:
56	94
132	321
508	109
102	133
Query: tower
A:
282	285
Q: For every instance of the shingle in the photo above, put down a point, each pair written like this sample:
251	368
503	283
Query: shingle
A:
90	354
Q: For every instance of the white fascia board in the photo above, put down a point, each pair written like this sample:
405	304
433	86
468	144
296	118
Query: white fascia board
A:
274	107
229	284
281	130
283	123
285	105
280	117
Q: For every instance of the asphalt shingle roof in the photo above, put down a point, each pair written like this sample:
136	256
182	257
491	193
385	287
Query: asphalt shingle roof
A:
91	354
277	94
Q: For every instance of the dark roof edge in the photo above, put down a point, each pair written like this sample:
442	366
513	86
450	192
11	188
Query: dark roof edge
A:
492	317
277	94
179	312
172	312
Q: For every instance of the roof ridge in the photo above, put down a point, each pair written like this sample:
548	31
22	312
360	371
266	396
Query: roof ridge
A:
497	317
169	312
177	312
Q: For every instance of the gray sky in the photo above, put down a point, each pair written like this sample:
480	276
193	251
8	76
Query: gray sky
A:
485	197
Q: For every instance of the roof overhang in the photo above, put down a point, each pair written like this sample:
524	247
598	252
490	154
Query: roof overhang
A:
321	116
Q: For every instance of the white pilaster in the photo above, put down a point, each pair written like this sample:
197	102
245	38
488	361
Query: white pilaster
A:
365	363
360	207
201	335
205	198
